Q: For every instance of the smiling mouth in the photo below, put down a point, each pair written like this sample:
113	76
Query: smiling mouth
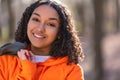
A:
38	36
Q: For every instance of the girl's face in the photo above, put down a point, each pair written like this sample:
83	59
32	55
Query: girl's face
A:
43	27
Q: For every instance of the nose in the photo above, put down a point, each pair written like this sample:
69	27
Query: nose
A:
41	27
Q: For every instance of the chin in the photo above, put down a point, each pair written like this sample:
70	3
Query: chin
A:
37	46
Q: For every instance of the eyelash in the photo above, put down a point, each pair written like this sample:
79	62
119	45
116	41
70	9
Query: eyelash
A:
51	24
35	19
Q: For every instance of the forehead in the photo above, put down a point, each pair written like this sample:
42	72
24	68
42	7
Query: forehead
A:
46	10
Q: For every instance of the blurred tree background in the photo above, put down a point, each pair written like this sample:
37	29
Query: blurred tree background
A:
98	25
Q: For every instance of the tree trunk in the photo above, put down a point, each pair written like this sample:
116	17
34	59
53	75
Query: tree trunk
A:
0	31
98	33
11	19
117	16
80	9
0	23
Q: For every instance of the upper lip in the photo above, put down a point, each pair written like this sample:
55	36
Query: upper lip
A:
39	35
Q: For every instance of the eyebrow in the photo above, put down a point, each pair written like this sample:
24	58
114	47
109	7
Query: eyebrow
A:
49	18
36	14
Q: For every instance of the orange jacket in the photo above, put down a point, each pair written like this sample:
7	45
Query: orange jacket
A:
11	68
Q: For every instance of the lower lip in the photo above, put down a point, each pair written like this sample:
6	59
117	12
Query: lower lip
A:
38	37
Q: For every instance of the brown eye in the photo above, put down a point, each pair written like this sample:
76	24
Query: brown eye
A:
51	24
35	19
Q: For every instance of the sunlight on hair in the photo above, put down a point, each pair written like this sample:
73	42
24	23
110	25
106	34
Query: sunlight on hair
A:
58	1
26	1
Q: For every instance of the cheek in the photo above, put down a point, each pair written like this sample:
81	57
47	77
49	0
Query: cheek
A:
53	33
29	28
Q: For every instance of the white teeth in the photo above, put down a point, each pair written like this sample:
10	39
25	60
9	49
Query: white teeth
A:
38	36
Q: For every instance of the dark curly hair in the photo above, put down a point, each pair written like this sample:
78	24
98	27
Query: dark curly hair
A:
67	43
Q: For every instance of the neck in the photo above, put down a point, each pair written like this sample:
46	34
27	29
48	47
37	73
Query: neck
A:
39	51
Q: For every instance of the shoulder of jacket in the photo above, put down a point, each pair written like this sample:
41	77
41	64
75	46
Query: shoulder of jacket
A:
7	58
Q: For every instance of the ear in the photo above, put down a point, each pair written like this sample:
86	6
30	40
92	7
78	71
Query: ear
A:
12	48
